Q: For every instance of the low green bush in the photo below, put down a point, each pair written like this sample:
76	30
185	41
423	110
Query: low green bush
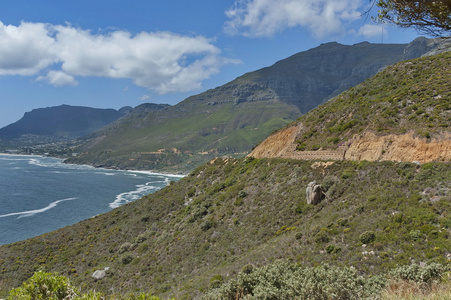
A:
286	280
44	285
49	286
367	237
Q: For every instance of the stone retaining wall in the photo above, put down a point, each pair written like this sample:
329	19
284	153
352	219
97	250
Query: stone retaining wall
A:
290	152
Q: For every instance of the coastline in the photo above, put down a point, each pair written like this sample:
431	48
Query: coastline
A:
93	191
63	160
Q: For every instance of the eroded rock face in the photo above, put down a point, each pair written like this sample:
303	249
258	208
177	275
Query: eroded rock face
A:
404	147
314	193
366	146
275	144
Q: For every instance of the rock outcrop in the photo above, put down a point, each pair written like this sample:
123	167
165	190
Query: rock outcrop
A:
276	144
99	274
366	146
405	147
314	193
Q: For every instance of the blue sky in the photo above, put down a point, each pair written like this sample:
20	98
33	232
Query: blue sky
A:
113	53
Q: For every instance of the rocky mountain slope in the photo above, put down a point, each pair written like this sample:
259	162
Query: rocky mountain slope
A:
231	215
231	119
401	114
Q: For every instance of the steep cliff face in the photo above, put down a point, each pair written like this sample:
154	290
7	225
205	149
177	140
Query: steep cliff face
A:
368	146
405	147
276	145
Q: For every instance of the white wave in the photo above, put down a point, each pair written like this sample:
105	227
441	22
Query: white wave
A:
105	173
158	174
132	175
127	197
51	162
30	213
11	157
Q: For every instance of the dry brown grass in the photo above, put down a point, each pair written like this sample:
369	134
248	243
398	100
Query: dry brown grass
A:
407	290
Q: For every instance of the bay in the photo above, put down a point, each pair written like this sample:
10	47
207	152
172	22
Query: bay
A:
42	194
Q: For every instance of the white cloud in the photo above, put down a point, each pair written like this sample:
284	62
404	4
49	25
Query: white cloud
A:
256	18
161	61
369	31
25	49
144	98
58	78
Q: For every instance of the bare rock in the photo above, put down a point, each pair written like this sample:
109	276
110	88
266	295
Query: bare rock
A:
99	274
314	193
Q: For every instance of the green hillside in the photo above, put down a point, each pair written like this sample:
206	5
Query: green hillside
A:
231	213
189	138
411	96
231	119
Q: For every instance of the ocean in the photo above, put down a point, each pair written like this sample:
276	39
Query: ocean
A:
42	194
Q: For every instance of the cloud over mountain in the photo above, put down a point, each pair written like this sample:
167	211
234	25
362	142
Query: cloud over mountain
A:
160	61
257	18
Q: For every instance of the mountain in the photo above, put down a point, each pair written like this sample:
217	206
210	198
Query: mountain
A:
229	120
61	122
401	114
231	215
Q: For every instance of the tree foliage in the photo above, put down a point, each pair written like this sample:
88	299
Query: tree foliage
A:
432	17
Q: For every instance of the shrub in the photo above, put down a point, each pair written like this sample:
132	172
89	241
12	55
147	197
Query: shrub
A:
44	285
141	238
298	235
426	274
207	225
348	172
126	259
216	281
342	221
415	235
285	280
332	249
333	191
321	237
247	269
55	287
367	237
124	247
242	194
329	181
238	202
145	219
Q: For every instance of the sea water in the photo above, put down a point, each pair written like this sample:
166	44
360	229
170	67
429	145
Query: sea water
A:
42	194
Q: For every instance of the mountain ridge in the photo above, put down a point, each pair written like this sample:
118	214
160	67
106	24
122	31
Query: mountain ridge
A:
346	129
230	119
231	215
61	122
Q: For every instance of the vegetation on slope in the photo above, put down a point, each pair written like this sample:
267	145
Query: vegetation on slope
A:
409	96
278	280
285	280
231	119
231	213
183	137
50	286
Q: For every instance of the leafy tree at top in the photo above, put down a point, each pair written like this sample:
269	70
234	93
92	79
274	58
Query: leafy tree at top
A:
432	17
